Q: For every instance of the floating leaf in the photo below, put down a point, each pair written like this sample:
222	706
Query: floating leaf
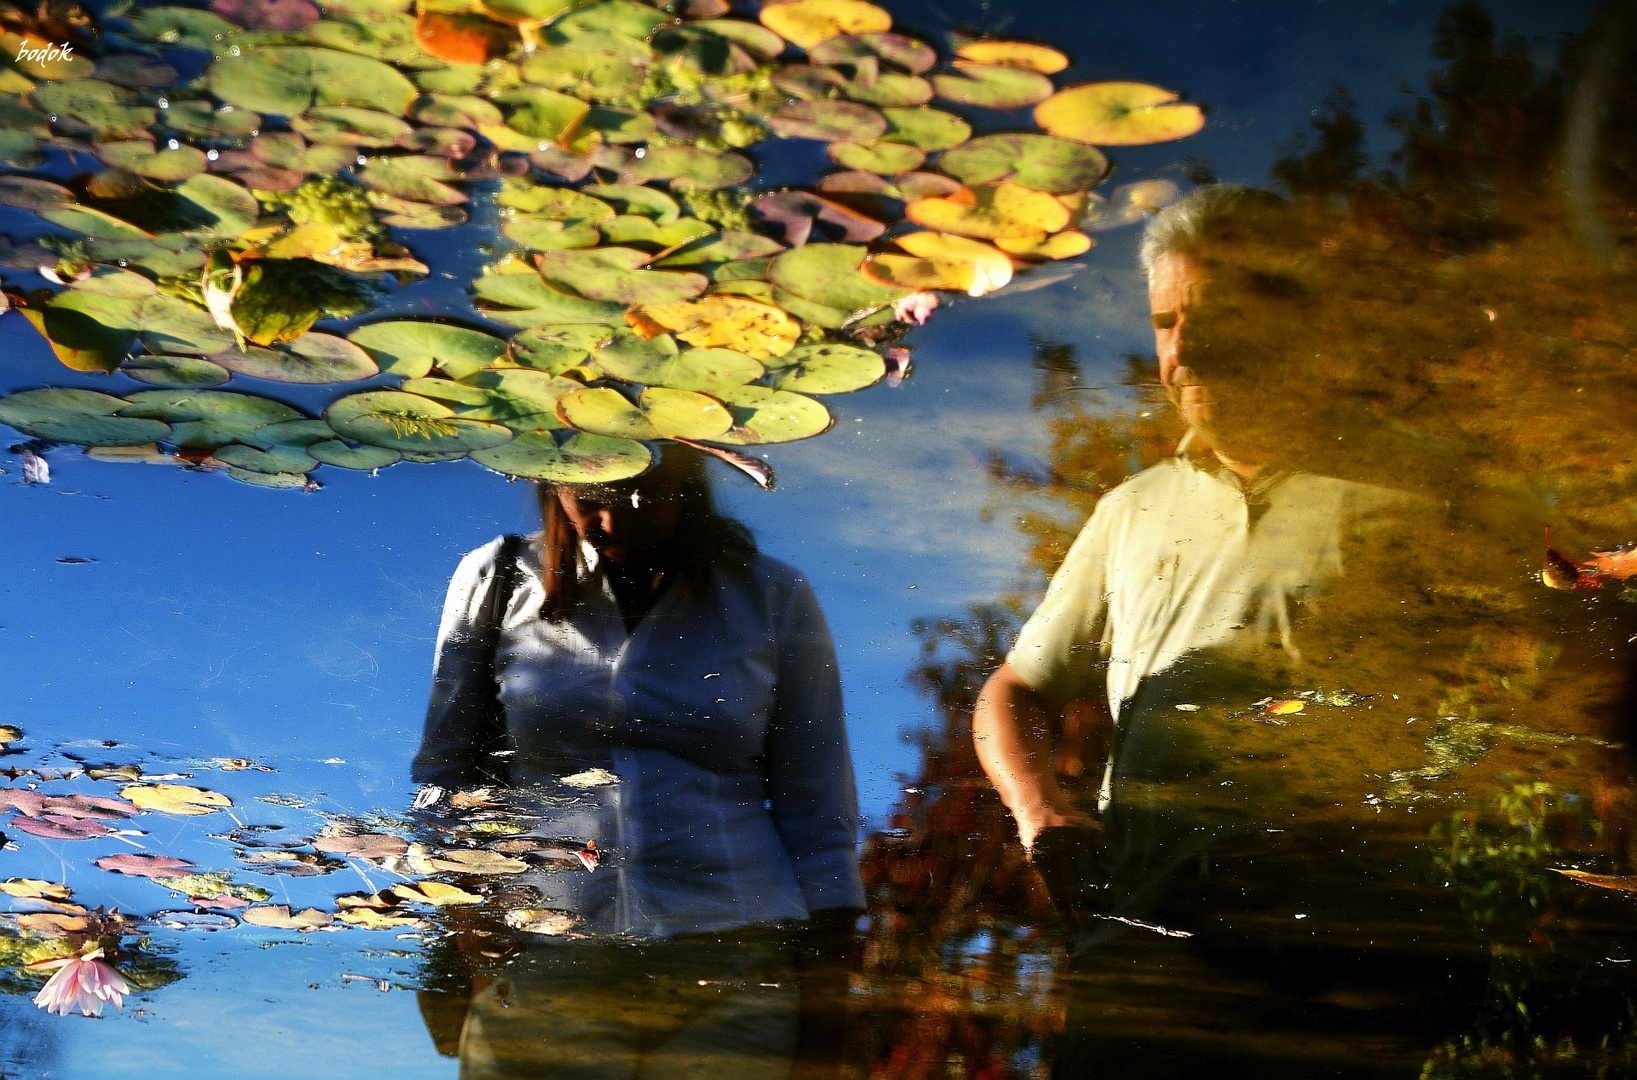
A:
806	23
205	119
808	81
404	214
913	56
926	129
942	261
829	275
175	799
466	861
411	347
828	120
890	90
992	86
524	300
279	917
363	845
148	866
659	413
287	150
1019	54
343	456
77	416
636	229
459	111
140	157
31	193
32	889
372	919
585	73
1118	114
55	827
799	214
414	178
764	415
504	395
635	199
463	38
720	322
191	27
1041	162
289	80
539	115
350	125
731	245
1063	245
410	424
878	157
693	168
278	481
582	459
617	275
435	893
104	108
617	18
708	370
556	348
174	371
826	369
268	14
208	417
991	211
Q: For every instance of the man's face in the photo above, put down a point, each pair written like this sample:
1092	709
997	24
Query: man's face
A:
1174	288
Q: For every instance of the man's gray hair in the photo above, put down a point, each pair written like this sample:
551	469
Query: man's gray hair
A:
1215	212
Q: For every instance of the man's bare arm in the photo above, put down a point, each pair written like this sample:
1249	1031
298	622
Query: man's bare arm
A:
1009	726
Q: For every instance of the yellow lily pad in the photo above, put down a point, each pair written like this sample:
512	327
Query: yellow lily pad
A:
435	893
176	799
1063	245
942	261
1019	54
991	211
805	23
1118	114
727	322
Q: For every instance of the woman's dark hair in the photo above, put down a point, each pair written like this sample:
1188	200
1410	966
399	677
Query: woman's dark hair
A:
705	538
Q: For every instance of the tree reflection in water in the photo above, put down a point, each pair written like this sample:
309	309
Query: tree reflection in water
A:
1458	730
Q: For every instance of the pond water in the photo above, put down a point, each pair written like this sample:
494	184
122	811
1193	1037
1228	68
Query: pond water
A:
1366	807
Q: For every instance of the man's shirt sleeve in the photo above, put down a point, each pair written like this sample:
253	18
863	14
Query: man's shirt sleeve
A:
1060	649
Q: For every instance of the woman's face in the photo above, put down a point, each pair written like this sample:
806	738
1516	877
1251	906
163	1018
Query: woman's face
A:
628	524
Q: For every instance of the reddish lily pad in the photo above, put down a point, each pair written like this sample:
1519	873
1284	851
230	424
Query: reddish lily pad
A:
828	121
1041	162
801	215
148	866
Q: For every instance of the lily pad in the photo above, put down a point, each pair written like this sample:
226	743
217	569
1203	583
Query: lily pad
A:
926	129
764	415
556	348
289	80
617	275
828	120
405	214
91	330
635	199
611	125
457	110
175	799
1018	54
756	40
1063	245
31	193
731	245
890	90
208	418
800	215
1118	114
659	413
389	37
636	229
281	481
410	424
312	358
1041	162
942	261
287	150
280	460
540	115
719	321
878	157
191	27
524	300
162	256
899	50
279	917
411	347
692	168
806	23
826	369
808	80
101	107
991	211
140	157
541	233
416	178
350	125
993	86
205	119
829	275
502	395
344	456
706	370
174	371
84	417
624	18
585	73
581	459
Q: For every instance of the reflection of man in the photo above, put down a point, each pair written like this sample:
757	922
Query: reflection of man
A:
1204	599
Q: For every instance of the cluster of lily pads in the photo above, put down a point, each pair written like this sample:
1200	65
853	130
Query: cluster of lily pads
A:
255	158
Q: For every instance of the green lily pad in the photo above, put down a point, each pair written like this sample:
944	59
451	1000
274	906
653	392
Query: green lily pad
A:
636	229
139	156
913	56
455	79
878	157
410	424
345	456
540	114
288	80
659	413
563	204
624	198
692	168
279	481
457	110
172	371
502	394
404	214
625	18
706	370
94	223
311	358
527	11
687	46
829	275
617	125
927	129
617	275
826	368
992	86
83	417
808	311
808	81
414	178
524	300
729	246
582	459
549	234
763	415
557	348
205	119
170	255
350	125
890	91
411	347
1041	162
388	37
585	73
228	209
102	107
30	193
828	121
208	417
285	459
287	150
191	27
89	320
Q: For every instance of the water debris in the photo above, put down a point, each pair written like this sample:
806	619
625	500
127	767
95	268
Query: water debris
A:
35	469
75	560
380	984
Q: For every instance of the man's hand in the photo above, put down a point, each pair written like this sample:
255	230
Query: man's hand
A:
1009	728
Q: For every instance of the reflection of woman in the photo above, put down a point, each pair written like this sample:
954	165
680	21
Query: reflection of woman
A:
644	636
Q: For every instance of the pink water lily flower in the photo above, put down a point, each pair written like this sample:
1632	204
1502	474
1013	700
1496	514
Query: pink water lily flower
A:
916	307
81	982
